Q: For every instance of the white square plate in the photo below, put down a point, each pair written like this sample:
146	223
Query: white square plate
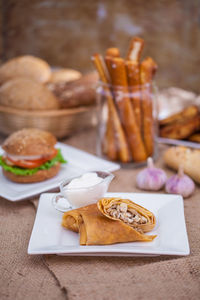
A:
49	237
78	162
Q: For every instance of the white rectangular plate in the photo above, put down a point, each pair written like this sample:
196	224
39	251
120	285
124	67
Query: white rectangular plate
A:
49	237
78	162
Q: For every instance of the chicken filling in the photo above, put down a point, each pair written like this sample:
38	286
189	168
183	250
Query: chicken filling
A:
127	215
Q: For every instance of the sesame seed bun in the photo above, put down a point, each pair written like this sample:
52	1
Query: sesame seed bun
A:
40	175
26	66
26	94
29	141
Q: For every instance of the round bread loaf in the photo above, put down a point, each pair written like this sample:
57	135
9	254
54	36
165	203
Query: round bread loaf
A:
27	94
64	75
26	66
188	158
29	141
40	175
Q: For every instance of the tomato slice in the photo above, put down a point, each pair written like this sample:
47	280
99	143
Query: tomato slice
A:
30	164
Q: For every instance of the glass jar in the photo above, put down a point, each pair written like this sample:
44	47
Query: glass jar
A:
127	123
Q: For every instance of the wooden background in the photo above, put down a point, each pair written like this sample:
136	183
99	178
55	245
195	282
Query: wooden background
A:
66	33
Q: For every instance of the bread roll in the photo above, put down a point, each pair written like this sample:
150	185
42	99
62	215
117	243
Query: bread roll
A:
188	158
76	93
64	75
26	94
26	66
29	141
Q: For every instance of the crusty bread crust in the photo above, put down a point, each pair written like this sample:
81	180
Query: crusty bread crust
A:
26	66
188	158
29	141
41	175
64	75
26	94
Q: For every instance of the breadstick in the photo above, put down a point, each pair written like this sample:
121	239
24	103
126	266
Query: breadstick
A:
147	70
110	133
135	49
120	86
133	75
119	133
113	52
109	147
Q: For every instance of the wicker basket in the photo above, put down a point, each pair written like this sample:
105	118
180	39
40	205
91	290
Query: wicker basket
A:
61	123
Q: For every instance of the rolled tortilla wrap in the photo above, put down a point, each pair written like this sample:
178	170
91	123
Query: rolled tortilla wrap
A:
127	212
96	229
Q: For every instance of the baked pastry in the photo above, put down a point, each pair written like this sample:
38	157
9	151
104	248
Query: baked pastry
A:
30	156
187	113
26	66
27	94
76	93
64	75
182	125
181	129
195	138
188	158
96	228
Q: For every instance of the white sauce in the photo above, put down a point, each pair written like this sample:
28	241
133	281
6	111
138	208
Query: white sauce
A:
62	204
86	180
84	190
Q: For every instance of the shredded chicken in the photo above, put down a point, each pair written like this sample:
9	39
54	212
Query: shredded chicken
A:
127	215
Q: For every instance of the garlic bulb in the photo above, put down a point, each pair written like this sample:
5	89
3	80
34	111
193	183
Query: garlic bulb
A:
180	184
151	178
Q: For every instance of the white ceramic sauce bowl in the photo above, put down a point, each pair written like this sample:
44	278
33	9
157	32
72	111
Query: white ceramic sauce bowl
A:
74	197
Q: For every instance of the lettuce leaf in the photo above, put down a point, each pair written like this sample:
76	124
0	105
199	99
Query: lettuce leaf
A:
22	171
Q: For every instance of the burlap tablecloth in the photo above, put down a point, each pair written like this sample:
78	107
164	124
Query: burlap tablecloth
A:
53	277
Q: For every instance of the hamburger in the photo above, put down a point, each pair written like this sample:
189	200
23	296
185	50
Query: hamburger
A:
30	156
